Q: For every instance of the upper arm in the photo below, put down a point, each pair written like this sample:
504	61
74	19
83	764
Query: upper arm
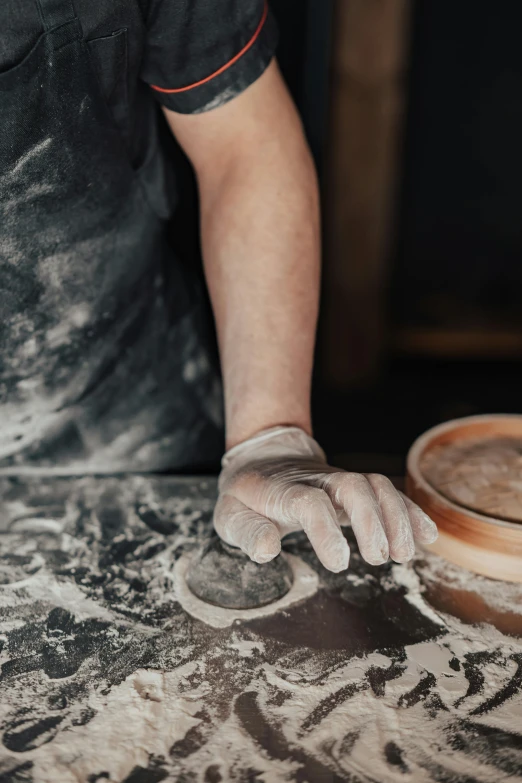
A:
257	123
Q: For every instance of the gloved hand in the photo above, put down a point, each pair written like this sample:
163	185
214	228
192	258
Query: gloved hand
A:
279	482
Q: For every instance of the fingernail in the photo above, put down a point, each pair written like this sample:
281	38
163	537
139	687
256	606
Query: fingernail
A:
267	546
432	538
263	557
405	555
385	550
342	562
431	532
335	554
376	561
380	556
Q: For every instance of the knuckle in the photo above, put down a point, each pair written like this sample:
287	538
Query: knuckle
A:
351	482
382	483
378	478
303	499
387	494
220	512
312	496
359	482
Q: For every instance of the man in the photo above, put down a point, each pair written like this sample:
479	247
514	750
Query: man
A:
104	361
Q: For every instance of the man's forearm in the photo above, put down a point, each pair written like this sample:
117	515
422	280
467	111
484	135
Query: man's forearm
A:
260	230
260	233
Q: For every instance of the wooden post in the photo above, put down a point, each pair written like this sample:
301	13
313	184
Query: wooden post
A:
370	44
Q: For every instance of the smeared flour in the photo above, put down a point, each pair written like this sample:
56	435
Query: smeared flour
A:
501	596
106	677
144	715
151	711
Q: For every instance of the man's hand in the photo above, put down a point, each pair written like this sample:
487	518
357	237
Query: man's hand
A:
279	482
261	247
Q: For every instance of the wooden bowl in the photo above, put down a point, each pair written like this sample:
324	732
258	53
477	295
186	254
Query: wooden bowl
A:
480	543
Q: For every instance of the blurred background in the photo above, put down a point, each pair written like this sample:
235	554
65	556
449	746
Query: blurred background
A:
414	113
413	110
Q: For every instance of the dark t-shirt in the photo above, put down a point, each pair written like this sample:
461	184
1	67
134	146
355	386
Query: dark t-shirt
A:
97	373
190	55
201	52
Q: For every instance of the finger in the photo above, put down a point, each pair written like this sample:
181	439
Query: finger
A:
424	529
352	492
312	509
241	527
395	518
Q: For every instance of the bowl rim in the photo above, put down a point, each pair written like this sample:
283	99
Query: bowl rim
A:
420	445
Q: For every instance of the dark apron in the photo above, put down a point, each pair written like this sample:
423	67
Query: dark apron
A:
102	369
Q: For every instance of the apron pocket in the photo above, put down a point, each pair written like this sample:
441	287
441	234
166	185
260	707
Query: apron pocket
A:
109	58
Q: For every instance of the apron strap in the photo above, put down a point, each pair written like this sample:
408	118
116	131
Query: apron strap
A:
56	12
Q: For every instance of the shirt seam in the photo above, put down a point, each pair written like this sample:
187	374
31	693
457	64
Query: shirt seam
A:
223	68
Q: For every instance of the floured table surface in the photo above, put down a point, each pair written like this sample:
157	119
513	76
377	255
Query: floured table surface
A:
104	677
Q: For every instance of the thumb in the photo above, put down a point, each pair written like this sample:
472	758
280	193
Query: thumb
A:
241	527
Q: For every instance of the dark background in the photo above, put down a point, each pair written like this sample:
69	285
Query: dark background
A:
454	258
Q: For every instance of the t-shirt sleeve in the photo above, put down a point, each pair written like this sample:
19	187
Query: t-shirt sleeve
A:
200	54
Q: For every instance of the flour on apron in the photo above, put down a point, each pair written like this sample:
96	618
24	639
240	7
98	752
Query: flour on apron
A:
104	365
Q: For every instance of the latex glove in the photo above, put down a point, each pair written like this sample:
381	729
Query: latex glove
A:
279	482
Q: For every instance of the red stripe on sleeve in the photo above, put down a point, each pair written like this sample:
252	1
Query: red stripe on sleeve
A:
227	65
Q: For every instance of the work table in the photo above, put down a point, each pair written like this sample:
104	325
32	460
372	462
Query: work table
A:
104	676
